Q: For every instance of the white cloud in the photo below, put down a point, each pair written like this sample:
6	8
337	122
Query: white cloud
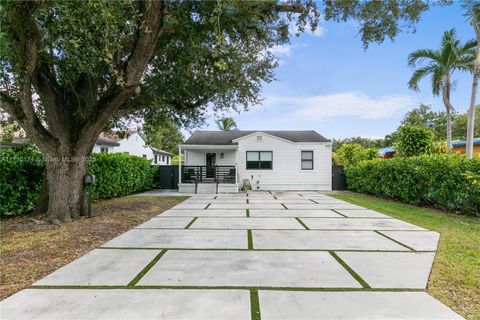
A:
343	104
282	50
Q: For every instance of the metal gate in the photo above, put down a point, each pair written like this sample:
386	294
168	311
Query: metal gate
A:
167	177
339	182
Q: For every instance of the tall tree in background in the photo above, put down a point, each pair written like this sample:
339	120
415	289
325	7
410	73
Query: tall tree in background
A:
164	135
440	65
473	12
423	116
69	67
226	124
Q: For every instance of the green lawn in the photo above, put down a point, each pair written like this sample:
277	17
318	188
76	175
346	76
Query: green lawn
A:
455	278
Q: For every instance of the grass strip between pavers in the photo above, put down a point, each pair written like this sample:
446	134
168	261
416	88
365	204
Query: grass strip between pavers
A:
250	239
339	213
146	269
190	223
255	305
350	270
259	288
208	205
248	212
313	201
275	198
284	206
303	224
396	241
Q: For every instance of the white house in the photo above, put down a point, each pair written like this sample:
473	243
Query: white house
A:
104	144
219	161
134	144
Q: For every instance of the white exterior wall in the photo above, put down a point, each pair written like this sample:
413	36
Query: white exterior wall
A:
199	157
163	160
134	145
286	173
97	148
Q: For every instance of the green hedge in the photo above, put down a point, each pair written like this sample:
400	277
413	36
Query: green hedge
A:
21	173
450	182
120	174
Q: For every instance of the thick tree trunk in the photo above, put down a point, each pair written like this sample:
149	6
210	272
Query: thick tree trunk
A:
473	97
42	204
65	185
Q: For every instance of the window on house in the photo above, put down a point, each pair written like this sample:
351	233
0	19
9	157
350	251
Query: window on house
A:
259	159
307	160
104	149
145	156
163	158
168	160
156	159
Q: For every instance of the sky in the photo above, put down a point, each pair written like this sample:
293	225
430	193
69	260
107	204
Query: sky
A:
327	82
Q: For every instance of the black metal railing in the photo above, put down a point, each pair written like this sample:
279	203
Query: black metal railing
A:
208	174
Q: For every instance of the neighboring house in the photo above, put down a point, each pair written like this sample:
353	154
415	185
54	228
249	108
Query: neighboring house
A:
16	142
104	144
270	160
459	146
134	144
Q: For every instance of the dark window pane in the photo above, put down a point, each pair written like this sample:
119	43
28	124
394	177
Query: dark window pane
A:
266	164
253	165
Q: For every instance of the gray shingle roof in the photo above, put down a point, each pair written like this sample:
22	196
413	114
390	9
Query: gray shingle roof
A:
226	137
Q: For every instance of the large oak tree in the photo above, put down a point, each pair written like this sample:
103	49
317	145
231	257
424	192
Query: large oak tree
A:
69	67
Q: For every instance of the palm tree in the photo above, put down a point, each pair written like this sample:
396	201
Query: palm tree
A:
226	124
473	13
442	63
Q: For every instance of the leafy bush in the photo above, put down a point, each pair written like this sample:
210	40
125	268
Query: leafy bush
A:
120	174
20	180
447	181
352	154
414	141
22	172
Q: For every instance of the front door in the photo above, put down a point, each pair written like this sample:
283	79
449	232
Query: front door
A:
211	162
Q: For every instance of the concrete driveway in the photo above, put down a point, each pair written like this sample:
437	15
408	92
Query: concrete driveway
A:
268	255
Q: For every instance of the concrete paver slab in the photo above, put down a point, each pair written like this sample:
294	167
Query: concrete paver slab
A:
245	206
362	213
246	223
322	206
166	222
417	240
101	267
249	268
194	206
289	305
204	213
70	304
181	238
322	240
294	213
391	269
358	224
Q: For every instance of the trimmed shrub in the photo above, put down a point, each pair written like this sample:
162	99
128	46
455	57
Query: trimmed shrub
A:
120	174
22	173
447	181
